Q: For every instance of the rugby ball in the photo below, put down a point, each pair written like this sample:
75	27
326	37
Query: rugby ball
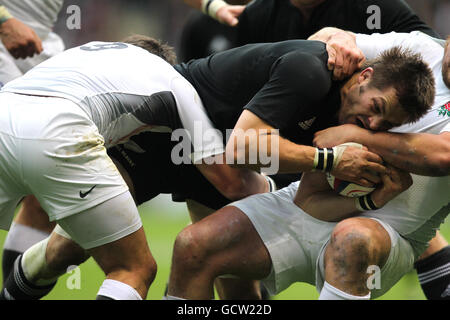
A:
347	189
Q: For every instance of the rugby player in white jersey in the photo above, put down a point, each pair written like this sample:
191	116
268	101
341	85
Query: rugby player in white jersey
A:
56	124
225	109
27	39
27	36
291	234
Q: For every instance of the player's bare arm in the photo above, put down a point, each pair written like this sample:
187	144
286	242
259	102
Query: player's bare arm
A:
20	40
419	153
315	196
233	183
355	165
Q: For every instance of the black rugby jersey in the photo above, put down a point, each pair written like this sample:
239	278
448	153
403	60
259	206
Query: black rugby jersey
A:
277	20
286	84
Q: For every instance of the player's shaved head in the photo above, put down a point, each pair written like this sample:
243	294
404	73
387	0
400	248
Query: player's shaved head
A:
154	46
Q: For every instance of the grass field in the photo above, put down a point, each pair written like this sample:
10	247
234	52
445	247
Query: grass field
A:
162	222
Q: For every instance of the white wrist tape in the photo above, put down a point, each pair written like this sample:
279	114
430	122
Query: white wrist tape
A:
323	159
4	14
210	7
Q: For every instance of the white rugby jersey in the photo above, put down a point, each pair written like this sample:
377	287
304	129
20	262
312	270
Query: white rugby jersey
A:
40	15
124	90
417	212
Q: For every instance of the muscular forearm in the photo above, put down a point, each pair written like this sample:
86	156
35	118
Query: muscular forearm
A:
294	158
328	206
326	33
280	154
419	153
316	198
233	183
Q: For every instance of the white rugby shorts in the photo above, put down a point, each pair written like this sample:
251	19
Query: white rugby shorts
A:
50	148
296	242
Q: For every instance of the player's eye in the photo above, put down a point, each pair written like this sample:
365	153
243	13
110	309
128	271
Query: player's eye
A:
376	108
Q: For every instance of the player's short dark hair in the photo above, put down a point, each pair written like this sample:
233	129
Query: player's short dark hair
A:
154	46
411	77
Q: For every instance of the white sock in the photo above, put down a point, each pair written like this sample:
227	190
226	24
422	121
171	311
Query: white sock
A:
21	237
331	293
118	291
167	297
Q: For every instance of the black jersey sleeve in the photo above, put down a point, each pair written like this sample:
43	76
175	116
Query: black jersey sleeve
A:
253	21
397	16
298	82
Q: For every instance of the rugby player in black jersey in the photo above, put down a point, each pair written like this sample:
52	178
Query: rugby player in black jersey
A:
277	20
287	86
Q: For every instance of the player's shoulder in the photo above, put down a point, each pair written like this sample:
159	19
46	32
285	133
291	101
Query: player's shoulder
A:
302	56
305	71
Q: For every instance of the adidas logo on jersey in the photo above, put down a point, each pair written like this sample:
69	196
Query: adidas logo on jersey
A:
305	125
446	292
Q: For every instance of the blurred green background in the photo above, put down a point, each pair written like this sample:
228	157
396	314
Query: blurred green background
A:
162	221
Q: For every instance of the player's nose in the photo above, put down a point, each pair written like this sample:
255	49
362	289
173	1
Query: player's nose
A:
374	123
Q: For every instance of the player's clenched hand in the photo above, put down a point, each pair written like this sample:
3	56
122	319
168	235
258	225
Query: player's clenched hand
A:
229	14
393	182
344	57
20	40
359	166
334	136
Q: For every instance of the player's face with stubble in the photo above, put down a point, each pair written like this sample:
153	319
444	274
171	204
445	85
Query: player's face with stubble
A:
371	108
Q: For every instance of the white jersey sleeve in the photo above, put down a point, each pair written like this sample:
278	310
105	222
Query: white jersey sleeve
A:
124	90
206	140
447	127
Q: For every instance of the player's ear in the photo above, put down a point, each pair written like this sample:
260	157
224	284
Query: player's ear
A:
365	75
